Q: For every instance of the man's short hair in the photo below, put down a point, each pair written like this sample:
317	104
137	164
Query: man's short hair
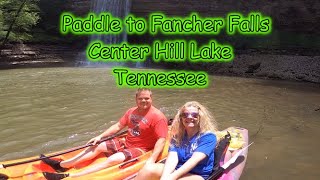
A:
143	89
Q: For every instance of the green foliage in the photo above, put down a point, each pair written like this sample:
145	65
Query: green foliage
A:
22	22
2	32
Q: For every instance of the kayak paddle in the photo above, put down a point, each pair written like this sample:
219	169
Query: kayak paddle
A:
228	163
61	153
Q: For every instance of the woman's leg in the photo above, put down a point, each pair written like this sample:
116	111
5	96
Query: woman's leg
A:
112	160
191	177
150	171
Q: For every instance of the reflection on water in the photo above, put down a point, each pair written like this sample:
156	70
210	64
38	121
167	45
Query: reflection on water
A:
45	110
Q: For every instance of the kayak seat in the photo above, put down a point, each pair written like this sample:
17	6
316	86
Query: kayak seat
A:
220	152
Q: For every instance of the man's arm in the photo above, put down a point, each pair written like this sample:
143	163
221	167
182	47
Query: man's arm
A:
111	130
161	131
157	150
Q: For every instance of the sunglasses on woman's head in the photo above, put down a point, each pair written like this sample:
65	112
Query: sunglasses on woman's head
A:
192	115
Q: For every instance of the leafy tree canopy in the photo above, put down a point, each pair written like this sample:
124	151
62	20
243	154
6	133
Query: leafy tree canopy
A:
17	18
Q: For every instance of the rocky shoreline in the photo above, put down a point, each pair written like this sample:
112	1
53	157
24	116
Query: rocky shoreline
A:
272	66
24	56
248	63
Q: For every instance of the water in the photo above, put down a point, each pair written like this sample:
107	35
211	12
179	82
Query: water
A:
48	109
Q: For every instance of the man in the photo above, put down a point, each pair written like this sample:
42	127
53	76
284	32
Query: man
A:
147	130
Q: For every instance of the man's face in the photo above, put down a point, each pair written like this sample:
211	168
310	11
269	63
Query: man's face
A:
144	100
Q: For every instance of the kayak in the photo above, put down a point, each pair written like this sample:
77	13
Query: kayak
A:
125	170
33	170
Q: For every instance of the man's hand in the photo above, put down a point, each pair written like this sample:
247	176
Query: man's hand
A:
94	140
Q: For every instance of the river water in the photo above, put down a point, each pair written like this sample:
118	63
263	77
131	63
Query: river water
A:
43	110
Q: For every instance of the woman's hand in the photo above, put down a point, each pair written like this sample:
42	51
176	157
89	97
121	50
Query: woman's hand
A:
94	140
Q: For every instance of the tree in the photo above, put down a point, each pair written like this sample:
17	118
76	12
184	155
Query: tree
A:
17	19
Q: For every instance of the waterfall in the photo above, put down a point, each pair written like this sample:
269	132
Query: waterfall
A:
118	8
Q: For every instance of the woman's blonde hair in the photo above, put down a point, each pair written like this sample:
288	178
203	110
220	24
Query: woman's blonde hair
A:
206	122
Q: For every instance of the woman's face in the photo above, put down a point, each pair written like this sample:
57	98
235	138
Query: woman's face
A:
190	117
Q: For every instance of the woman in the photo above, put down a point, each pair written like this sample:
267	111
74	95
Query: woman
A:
191	153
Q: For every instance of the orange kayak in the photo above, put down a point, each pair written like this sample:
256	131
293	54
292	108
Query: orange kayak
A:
33	170
125	170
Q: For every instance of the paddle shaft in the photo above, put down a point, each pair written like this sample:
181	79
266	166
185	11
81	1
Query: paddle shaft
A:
61	153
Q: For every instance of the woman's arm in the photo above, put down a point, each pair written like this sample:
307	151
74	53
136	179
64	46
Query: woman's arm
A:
170	165
207	143
189	165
